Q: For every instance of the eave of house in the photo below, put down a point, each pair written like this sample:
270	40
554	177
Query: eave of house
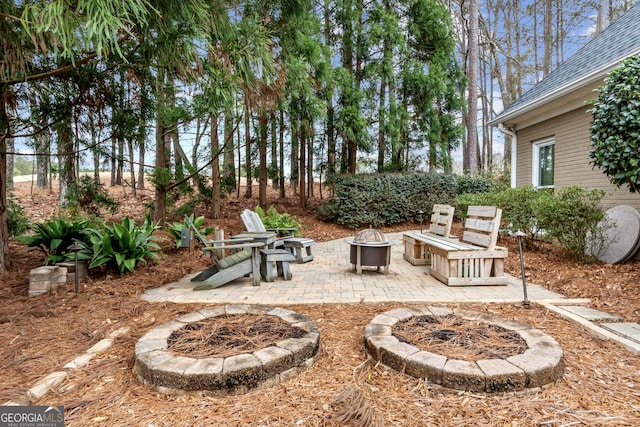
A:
567	98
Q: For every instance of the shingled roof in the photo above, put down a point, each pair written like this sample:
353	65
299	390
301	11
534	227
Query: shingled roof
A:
593	61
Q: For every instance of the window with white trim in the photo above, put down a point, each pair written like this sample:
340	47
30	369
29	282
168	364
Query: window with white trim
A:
543	162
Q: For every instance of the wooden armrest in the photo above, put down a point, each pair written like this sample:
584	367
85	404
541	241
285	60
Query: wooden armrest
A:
232	240
238	246
291	230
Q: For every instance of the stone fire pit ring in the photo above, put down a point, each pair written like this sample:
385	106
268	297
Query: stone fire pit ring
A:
159	368
538	366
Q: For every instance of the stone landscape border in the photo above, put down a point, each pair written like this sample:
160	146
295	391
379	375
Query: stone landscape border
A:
166	372
538	366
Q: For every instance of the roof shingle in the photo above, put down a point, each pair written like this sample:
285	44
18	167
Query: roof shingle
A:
618	41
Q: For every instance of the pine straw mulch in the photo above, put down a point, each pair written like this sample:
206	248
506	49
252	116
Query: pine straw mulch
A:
459	338
230	335
600	386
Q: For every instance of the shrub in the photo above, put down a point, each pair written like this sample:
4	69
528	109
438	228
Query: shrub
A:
90	196
615	129
570	215
17	220
55	236
473	184
517	206
122	246
463	202
273	220
385	199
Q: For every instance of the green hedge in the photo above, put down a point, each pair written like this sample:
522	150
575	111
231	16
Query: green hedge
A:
384	199
569	216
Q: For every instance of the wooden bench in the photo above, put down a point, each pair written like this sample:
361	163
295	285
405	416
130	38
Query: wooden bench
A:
295	245
416	245
474	259
244	260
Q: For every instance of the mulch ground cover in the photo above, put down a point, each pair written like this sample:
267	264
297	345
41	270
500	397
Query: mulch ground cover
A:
600	385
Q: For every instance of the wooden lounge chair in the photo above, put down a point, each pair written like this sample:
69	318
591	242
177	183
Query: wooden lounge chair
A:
299	246
244	260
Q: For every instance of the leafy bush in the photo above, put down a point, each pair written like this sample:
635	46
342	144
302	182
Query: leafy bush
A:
517	206
463	202
122	246
90	196
17	220
272	220
55	236
615	129
186	208
570	215
175	228
466	184
384	199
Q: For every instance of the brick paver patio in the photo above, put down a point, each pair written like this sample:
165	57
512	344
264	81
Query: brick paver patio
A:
330	278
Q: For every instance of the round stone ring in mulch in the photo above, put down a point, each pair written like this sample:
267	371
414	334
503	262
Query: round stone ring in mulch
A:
226	350
464	350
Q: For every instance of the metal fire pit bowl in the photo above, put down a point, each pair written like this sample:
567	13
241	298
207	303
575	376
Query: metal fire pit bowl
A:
370	248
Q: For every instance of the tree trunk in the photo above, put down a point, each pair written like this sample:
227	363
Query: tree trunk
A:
132	167
162	171
66	156
215	168
112	182
228	161
5	133
602	20
547	37
262	159
472	74
294	116
281	159
274	150
382	143
247	140
304	133
330	129
120	169
309	160
94	145
42	159
11	147
142	137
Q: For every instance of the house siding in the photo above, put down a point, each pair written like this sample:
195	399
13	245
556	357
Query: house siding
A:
572	146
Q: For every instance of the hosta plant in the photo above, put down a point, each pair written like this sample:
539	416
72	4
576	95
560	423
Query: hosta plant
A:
122	246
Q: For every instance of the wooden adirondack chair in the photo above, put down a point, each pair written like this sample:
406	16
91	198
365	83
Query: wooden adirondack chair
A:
244	260
299	246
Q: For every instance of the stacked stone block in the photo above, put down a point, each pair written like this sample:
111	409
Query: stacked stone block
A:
43	279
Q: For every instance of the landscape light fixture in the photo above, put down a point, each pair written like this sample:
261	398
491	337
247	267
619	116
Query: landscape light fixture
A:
420	214
75	248
519	234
